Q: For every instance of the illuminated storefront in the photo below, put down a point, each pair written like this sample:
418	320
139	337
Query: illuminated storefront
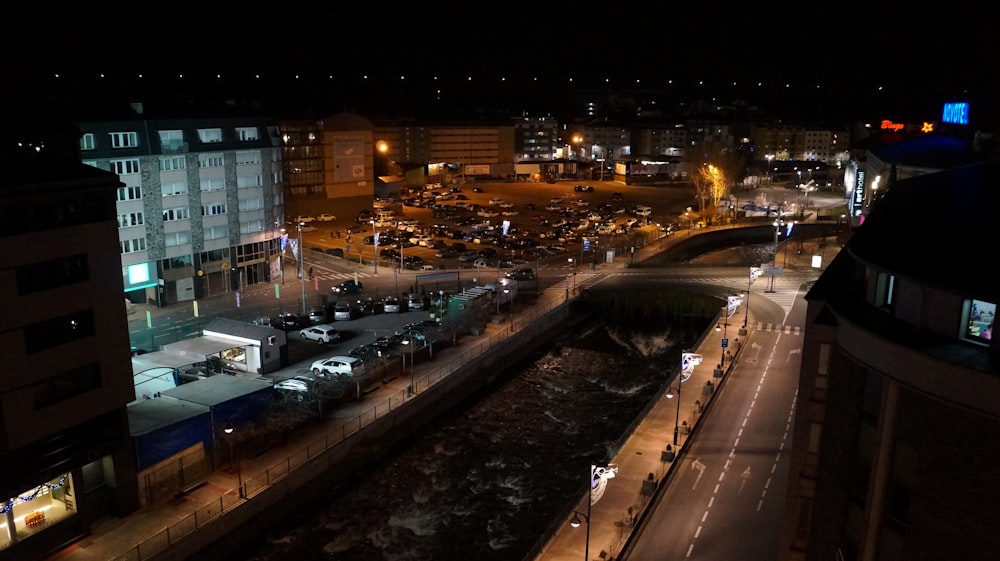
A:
34	510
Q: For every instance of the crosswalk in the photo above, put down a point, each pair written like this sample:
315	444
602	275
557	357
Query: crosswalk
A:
793	330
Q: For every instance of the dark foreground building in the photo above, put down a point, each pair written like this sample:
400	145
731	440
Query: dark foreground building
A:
66	375
897	428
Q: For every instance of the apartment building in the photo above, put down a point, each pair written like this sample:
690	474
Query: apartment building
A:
201	209
897	425
64	439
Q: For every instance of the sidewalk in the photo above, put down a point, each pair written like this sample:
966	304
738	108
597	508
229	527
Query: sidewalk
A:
645	459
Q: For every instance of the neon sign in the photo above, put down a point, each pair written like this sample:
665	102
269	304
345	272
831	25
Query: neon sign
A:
894	127
956	113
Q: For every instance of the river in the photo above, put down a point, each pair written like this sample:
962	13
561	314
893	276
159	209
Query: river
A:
485	481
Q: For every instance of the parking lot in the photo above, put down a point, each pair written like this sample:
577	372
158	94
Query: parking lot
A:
503	224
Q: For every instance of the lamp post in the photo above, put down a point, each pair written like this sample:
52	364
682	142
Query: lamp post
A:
229	430
746	307
302	270
724	342
575	522
767	172
778	223
572	263
375	246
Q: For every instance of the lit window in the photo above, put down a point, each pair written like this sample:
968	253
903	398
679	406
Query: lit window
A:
210	135
979	326
124	140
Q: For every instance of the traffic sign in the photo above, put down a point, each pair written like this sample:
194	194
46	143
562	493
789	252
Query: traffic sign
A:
725	342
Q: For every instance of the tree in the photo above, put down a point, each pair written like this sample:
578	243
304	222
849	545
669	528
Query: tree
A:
715	169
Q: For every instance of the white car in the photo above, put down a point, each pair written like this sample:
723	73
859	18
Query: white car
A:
496	201
326	217
309	228
391	305
335	365
303	219
415	302
320	333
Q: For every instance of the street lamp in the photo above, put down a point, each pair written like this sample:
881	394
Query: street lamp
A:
302	270
724	342
778	223
767	172
575	522
375	246
572	263
746	306
688	362
229	430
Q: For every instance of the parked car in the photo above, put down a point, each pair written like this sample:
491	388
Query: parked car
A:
326	217
583	188
342	311
391	305
303	218
320	333
286	321
335	365
349	286
415	302
317	315
299	388
521	274
372	352
335	251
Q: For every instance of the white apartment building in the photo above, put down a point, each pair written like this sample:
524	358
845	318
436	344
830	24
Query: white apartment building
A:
202	206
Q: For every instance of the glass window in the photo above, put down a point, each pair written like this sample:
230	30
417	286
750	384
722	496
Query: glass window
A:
124	140
244	181
172	163
45	275
171	188
244	157
211	160
171	140
176	238
129	193
87	141
210	135
213	184
58	331
122	167
134	245
216	232
35	510
981	315
171	214
213	209
246	133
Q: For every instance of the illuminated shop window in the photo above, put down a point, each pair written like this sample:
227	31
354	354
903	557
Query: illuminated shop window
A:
34	510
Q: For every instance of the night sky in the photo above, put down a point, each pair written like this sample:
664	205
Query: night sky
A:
377	58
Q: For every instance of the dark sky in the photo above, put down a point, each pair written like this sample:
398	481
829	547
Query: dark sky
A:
479	54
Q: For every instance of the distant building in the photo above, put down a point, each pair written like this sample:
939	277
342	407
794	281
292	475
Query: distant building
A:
897	423
64	438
